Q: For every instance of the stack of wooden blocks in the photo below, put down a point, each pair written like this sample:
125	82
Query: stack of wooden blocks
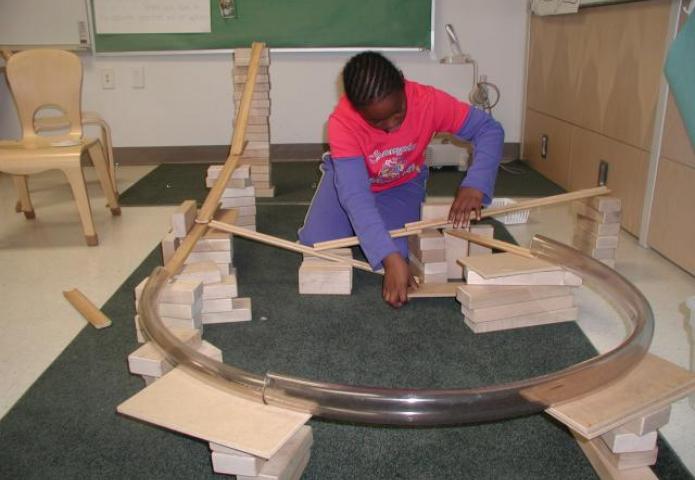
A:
597	227
325	277
633	445
257	151
288	463
506	291
238	194
459	248
427	256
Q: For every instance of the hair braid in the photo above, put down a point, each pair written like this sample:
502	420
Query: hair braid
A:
369	76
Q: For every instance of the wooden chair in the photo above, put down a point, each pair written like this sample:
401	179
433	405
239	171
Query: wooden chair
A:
52	79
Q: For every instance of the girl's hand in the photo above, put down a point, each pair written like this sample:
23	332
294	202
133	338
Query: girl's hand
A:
468	202
397	279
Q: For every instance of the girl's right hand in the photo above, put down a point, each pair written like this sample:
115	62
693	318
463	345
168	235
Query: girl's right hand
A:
397	279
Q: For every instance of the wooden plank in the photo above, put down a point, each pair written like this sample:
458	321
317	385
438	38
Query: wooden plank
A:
87	309
482	296
537	278
435	290
523	321
603	466
653	384
505	264
510	310
183	403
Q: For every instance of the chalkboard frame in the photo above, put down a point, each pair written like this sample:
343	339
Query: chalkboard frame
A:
409	28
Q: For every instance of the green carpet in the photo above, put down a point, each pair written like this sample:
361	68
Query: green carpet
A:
66	426
295	182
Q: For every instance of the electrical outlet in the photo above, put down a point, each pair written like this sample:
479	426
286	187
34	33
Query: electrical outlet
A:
108	78
138	77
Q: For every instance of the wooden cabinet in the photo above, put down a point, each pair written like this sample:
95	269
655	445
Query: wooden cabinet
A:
547	146
593	87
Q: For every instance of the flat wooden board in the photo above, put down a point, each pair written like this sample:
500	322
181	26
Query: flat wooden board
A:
183	403
504	264
652	385
435	290
482	296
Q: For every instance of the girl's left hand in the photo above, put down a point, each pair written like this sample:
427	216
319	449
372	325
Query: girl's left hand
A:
466	206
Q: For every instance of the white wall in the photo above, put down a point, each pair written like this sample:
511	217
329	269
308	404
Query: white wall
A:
187	99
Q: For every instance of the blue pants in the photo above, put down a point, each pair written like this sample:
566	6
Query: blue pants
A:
327	220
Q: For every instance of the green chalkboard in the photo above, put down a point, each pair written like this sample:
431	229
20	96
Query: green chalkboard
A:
295	24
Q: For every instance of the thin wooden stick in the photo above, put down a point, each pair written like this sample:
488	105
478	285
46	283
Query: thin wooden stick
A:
88	310
212	201
537	202
350	241
492	243
287	245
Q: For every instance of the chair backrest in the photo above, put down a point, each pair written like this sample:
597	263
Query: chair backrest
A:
46	79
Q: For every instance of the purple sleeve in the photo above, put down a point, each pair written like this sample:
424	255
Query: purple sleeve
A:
487	136
355	196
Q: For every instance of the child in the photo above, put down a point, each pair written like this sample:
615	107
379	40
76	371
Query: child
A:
374	179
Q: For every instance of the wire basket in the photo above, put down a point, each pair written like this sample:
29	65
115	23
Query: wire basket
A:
511	218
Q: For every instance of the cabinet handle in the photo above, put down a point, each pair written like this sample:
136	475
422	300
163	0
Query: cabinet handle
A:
544	146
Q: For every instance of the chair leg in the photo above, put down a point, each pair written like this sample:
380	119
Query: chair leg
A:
97	155
108	149
79	191
22	187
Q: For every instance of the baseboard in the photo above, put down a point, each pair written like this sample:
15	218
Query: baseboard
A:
279	152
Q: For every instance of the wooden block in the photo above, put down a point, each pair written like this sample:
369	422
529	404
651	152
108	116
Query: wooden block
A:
265	192
455	248
233	202
600	253
257	112
415	270
205	272
522	321
505	264
217	257
181	310
649	422
241	312
242	78
599	459
259	87
604	203
586	224
247	210
628	460
214	241
225	268
213	305
87	309
429	267
289	462
203	411
608	261
583	210
227	288
234	462
653	384
428	256
258	137
261	184
322	277
258	119
260	153
238	69
246	220
487	314
256	169
179	291
183	218
231	183
254	161
249	191
258	128
435	290
483	296
210	351
621	440
484	230
170	243
245	54
435	208
255	97
428	240
538	278
595	241
148	360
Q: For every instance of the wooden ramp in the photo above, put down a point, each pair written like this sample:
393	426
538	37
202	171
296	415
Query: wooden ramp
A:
183	403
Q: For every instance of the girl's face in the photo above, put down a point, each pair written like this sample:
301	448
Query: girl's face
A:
386	114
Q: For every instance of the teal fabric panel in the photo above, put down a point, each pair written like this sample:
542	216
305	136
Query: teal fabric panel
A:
680	72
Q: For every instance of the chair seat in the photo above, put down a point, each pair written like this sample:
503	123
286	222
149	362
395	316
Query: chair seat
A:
23	158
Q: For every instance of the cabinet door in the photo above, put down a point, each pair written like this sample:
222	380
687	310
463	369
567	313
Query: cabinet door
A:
555	163
672	229
627	171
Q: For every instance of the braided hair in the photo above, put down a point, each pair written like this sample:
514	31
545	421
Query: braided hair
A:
368	77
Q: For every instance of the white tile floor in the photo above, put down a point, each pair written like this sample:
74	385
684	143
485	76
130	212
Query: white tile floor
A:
43	257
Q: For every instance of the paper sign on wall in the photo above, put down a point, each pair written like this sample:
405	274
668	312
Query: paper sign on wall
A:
152	16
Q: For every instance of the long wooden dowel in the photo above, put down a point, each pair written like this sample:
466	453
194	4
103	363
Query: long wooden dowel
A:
212	201
492	243
536	202
350	241
288	245
88	310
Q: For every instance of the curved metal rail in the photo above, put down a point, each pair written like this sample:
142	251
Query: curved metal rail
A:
409	406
